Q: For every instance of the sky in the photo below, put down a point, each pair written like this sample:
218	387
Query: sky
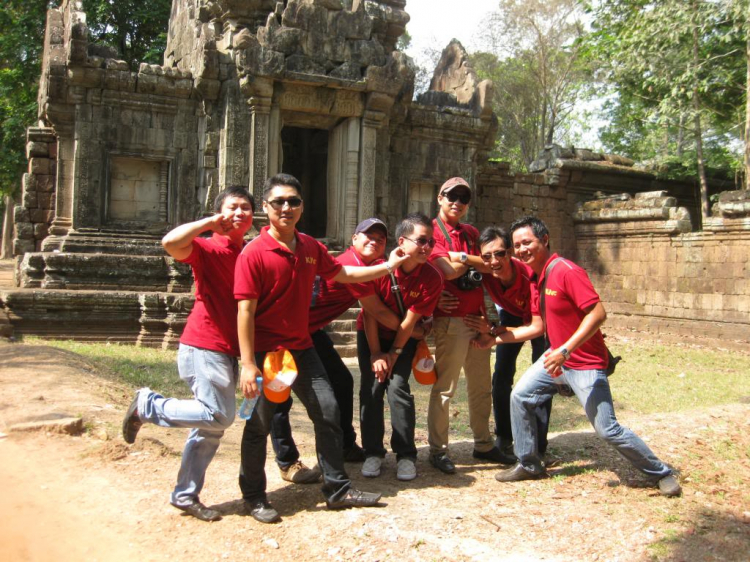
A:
435	22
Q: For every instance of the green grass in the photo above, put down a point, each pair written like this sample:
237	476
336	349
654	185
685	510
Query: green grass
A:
134	366
650	379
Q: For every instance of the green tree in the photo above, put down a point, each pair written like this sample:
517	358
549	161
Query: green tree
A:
677	69
138	30
21	30
533	60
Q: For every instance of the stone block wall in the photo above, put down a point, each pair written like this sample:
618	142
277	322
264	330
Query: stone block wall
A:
33	217
654	275
503	197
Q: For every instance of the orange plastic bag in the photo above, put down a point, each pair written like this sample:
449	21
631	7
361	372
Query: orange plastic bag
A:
423	364
279	372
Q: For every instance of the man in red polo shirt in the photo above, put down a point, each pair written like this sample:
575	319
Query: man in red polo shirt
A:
385	356
330	300
572	315
453	350
508	282
207	358
274	281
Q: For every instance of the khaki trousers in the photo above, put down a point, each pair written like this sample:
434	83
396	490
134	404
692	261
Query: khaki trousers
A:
452	353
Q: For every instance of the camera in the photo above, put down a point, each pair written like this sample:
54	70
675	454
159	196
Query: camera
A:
469	280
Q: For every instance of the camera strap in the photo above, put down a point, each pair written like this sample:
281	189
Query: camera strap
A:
542	289
396	290
447	236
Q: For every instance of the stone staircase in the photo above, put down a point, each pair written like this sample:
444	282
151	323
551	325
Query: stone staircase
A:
343	332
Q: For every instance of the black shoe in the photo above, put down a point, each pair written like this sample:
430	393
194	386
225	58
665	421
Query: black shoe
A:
669	486
131	423
443	463
355	453
494	455
355	498
565	390
517	473
262	511
199	511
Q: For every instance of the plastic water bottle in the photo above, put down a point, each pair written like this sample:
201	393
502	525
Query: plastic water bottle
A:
248	404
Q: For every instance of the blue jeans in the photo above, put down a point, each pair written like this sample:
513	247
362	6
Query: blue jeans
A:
313	389
342	383
506	356
592	389
400	401
212	376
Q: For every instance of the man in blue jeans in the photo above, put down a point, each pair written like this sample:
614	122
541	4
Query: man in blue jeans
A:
571	314
207	358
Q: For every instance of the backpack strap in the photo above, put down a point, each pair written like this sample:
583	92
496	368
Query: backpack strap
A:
396	290
542	290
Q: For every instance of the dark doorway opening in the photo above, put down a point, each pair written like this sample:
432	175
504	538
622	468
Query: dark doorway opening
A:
306	158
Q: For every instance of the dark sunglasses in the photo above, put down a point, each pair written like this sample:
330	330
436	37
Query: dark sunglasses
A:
452	196
498	255
279	203
421	242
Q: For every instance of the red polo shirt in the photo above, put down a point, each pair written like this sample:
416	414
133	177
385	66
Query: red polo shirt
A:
420	291
331	299
567	292
212	323
463	239
516	299
282	283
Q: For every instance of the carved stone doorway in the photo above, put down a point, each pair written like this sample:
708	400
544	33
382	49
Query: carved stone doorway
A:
305	156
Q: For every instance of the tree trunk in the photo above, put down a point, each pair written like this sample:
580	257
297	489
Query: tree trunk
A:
705	209
747	108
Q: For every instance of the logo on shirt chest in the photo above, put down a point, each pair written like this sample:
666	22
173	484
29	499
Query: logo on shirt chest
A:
414	294
550	293
520	303
311	261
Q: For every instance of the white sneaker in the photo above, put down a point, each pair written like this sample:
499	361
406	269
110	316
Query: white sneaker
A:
406	470
371	467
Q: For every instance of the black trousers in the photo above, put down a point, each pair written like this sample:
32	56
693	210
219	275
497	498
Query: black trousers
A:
502	385
342	382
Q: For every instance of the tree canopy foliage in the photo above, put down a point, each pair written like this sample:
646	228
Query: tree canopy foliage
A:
677	75
533	59
137	30
21	32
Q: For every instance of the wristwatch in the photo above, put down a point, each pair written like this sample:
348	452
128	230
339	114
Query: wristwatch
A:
397	350
493	330
463	257
565	353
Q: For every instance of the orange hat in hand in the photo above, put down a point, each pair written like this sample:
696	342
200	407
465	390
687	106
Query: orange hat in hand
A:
279	372
423	364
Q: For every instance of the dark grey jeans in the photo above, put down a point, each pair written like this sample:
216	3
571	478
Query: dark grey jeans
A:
313	389
400	401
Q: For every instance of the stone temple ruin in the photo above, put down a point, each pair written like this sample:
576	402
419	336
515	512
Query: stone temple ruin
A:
315	88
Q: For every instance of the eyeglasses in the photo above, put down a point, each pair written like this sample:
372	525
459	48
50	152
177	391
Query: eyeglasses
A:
498	255
279	203
452	196
422	242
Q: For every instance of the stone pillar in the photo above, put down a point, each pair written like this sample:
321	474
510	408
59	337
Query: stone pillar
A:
368	154
7	247
63	220
275	151
260	109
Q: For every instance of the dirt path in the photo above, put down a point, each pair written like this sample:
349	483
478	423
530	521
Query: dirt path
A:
94	498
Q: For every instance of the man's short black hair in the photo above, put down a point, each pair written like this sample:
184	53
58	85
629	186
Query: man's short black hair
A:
536	225
406	226
492	233
233	191
287	180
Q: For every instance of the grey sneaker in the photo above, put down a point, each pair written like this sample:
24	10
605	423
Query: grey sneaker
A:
406	470
669	486
371	467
